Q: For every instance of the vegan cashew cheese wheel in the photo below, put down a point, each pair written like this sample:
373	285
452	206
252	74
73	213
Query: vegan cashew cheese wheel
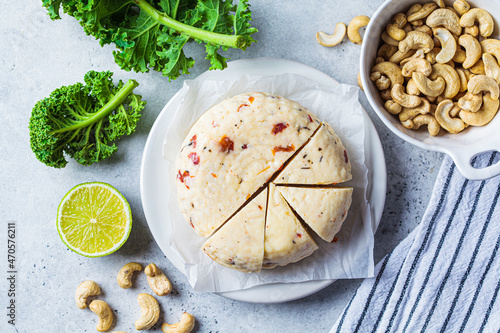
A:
232	150
252	172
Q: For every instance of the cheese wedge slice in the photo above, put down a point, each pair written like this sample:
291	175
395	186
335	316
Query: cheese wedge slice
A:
239	244
322	161
323	209
286	240
234	149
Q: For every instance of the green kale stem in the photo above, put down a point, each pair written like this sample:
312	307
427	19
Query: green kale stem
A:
111	105
234	41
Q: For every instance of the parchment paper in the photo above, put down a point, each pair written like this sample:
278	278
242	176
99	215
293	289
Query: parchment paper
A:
350	257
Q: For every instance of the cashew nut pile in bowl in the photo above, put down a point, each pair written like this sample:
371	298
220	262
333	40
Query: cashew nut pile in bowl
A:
445	79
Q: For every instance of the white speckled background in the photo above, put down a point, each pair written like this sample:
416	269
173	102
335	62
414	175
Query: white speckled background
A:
38	55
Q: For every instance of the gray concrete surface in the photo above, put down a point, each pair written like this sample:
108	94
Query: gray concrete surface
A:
38	55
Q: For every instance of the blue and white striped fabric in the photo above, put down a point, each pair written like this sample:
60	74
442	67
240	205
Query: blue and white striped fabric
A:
445	276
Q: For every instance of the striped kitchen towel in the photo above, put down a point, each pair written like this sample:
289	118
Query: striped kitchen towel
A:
445	276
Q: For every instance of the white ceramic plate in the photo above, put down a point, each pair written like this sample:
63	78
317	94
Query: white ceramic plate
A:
155	193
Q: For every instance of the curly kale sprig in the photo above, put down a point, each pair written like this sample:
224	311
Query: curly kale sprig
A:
84	120
152	33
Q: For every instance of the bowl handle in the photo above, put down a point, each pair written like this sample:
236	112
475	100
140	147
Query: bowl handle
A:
463	158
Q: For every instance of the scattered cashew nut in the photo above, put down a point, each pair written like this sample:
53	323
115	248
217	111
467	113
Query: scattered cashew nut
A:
411	88
103	311
480	15
353	28
478	68
150	312
332	40
442	114
158	282
124	277
185	325
84	290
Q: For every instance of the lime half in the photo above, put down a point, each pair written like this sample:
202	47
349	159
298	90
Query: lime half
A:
94	219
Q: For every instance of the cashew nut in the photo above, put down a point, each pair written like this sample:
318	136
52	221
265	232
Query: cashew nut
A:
103	311
84	290
427	86
423	12
480	15
470	102
491	46
388	39
386	51
395	28
185	325
158	282
411	88
150	312
481	83
491	67
440	3
353	28
378	60
431	56
461	6
392	107
442	114
124	277
459	56
417	55
478	68
473	31
463	79
416	65
399	56
391	70
413	9
399	96
332	40
446	18
450	76
416	40
485	114
448	45
386	94
410	113
472	50
425	119
424	28
455	110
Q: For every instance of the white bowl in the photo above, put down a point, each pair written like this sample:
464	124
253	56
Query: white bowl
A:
460	147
